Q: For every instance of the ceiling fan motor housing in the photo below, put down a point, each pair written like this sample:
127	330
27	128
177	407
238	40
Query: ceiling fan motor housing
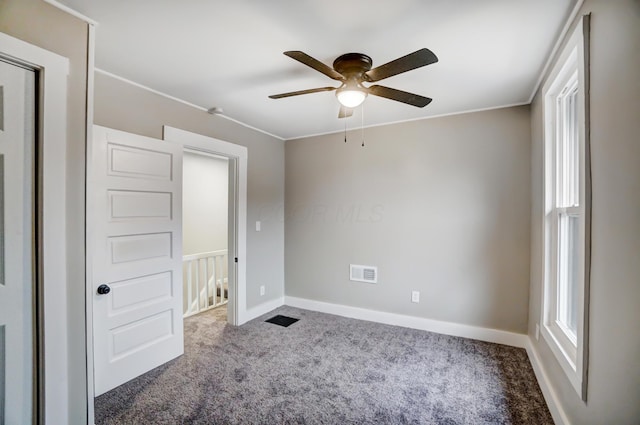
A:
352	64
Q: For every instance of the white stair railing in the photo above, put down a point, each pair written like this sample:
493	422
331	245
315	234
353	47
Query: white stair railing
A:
206	281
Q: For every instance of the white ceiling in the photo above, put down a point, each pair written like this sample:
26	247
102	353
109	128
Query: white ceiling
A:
229	53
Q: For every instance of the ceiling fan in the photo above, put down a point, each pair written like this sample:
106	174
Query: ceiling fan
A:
354	69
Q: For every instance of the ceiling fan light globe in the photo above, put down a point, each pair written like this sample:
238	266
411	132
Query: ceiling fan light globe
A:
351	98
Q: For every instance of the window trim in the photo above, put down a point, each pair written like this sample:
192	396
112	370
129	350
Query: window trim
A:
573	358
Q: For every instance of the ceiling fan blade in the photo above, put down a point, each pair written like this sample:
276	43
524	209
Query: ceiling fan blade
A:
400	96
315	64
298	93
406	63
345	112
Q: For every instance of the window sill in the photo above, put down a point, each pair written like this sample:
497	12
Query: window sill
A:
567	363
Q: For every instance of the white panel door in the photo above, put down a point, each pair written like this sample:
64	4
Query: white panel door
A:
17	106
135	190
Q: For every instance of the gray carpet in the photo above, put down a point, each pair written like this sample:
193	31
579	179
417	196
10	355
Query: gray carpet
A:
327	369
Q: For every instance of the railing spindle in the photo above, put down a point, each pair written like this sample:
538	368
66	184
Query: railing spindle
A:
225	261
214	278
206	282
189	289
198	284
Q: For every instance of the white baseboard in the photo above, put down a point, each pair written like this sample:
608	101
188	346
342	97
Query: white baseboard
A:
261	309
447	328
550	396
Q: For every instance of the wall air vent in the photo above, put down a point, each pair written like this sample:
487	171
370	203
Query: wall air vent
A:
367	274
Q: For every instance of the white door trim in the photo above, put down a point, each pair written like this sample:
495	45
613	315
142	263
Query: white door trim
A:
52	141
237	155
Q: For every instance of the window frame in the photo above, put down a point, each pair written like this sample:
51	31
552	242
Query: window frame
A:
570	350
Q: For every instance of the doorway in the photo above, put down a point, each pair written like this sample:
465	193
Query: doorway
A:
236	157
205	184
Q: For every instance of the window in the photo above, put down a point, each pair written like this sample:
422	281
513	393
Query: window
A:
566	193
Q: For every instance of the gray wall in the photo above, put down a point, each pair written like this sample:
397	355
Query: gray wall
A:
440	205
614	341
129	108
40	24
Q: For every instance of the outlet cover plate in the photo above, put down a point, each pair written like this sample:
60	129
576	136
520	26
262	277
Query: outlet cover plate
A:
415	296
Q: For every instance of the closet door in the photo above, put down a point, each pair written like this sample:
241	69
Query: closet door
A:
17	129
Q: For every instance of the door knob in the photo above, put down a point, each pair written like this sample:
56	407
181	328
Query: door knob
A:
103	289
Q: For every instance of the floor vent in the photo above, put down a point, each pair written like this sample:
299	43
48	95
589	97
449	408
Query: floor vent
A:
367	274
282	320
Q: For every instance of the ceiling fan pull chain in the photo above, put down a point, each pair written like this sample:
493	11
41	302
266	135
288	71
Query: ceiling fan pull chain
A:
362	125
345	131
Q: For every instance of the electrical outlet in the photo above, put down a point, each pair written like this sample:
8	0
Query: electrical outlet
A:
261	290
415	296
537	332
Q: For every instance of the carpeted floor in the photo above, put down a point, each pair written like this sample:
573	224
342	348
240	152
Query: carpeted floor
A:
327	369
